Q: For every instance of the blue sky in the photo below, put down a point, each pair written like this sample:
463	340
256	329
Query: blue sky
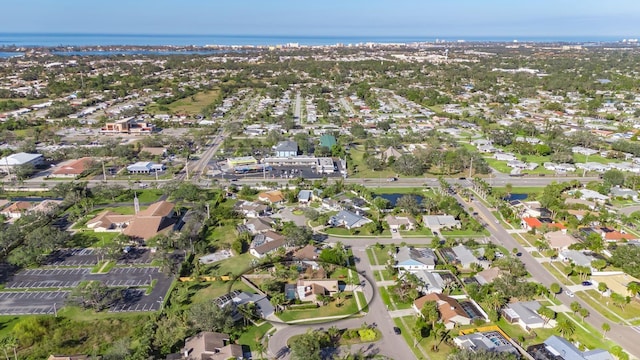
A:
326	17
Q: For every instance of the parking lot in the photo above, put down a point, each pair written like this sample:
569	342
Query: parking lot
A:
73	257
47	278
136	256
31	302
59	274
136	300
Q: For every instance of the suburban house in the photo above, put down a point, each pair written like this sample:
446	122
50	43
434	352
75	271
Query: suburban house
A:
251	209
348	219
16	209
308	255
560	240
308	290
236	298
74	168
586	194
258	225
617	283
439	222
208	345
490	341
158	217
488	275
400	222
391	152
266	243
409	259
287	148
47	206
624	193
558	348
8	163
145	167
271	197
524	314
432	281
451	312
529	223
464	256
305	196
576	257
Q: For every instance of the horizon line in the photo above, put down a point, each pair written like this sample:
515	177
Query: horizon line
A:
318	35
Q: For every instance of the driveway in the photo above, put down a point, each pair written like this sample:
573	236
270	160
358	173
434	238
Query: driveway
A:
287	214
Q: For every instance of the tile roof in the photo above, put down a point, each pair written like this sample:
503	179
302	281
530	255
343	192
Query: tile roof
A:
447	306
75	167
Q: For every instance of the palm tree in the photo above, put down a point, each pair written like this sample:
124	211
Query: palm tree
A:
565	328
260	348
12	342
605	328
277	300
495	301
4	344
634	288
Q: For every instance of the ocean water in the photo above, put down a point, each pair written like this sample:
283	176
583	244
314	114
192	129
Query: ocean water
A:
52	40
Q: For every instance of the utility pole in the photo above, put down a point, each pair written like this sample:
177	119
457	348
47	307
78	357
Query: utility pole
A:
208	211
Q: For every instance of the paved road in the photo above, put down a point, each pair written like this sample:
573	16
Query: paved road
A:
625	336
371	182
391	345
297	109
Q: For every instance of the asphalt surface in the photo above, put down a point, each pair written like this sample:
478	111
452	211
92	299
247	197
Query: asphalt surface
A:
625	336
391	345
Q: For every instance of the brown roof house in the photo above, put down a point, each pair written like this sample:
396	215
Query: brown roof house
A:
560	240
265	243
272	197
211	346
157	218
451	312
308	290
74	168
15	210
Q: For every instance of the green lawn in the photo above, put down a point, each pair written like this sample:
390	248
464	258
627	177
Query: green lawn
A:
89	238
464	233
604	306
348	307
251	336
191	105
383	275
363	301
425	344
207	291
222	236
387	300
562	279
235	265
381	254
421	232
501	166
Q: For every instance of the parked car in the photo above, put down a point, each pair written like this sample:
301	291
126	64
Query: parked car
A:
569	293
587	283
397	330
391	179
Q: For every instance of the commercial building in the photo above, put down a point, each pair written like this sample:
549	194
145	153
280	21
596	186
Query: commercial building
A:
8	163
